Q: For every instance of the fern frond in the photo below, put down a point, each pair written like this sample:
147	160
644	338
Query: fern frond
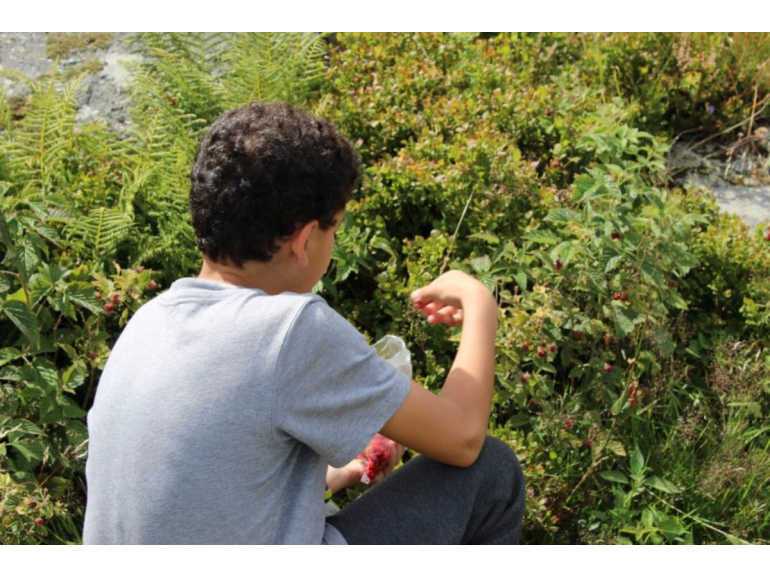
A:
101	232
273	66
37	145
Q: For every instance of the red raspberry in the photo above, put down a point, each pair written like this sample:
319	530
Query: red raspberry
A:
524	377
552	348
525	345
616	235
115	297
31	503
108	307
607	339
38	521
540	352
616	296
548	112
607	368
92	355
152	286
624	297
557	264
569	423
140	269
587	444
555	164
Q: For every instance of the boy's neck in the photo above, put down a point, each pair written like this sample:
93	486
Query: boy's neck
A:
269	277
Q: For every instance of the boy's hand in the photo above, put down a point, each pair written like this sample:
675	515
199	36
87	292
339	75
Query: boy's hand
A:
350	475
438	312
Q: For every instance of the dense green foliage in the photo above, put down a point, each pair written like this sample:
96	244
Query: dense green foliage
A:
633	368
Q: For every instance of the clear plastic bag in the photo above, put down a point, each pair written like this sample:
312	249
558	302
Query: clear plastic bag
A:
377	454
393	349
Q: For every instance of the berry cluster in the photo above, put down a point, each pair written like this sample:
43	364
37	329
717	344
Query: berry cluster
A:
375	457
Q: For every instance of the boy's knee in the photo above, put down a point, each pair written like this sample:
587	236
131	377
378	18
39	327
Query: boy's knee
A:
499	462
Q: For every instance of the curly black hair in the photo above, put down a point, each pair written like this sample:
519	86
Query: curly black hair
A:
260	172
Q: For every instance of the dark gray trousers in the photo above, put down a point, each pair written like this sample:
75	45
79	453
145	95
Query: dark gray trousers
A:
428	503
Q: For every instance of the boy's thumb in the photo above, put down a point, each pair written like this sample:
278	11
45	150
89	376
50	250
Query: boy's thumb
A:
415	295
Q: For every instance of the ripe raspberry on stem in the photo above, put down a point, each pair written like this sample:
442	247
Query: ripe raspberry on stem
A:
524	377
152	286
569	423
109	307
115	297
552	348
38	521
607	339
616	296
557	264
555	164
540	352
525	345
607	368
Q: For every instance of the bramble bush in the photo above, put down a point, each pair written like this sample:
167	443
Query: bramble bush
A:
633	369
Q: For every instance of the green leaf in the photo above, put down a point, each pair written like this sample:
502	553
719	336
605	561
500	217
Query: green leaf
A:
542	237
32	451
481	264
23	318
637	463
662	485
382	244
83	295
614	477
562	215
9	354
70	409
613	262
27	259
664	340
486	237
670	526
625	319
521	280
676	300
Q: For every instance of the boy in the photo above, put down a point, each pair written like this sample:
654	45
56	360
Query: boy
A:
233	401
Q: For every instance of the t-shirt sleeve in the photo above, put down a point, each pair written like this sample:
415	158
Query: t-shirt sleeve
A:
333	392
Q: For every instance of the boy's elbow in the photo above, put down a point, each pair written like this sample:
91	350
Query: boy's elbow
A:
471	450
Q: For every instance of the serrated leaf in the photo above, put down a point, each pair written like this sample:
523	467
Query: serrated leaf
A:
70	409
662	485
664	340
481	264
382	244
637	462
83	295
616	447
521	280
23	318
9	354
676	300
562	215
32	451
613	262
17	428
625	319
542	237
27	258
486	237
614	477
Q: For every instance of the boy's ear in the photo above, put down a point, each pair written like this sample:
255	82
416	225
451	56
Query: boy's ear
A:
300	240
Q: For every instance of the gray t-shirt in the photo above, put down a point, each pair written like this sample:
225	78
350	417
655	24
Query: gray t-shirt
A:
218	411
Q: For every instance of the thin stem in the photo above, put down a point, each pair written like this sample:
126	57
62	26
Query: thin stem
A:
452	241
